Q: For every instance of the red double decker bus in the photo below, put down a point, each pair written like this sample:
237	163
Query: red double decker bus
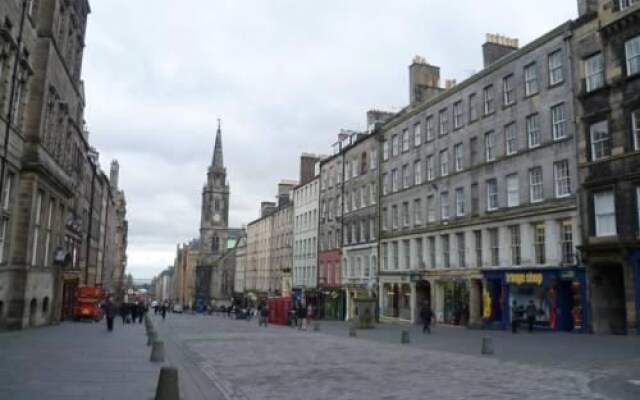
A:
88	301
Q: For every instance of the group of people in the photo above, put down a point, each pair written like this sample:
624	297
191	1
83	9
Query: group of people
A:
130	312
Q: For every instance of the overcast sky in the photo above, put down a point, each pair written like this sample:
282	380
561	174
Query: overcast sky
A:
283	75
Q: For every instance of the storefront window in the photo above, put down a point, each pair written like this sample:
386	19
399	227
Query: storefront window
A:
456	303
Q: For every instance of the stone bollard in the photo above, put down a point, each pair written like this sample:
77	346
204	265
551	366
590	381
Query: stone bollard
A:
157	351
487	345
151	336
352	330
316	327
167	388
404	339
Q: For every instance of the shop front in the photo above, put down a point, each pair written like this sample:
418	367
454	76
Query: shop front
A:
559	295
331	304
396	301
453	305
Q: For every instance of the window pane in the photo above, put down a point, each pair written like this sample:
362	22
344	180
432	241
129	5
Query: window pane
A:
600	141
632	50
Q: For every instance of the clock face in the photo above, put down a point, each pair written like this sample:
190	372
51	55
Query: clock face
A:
216	217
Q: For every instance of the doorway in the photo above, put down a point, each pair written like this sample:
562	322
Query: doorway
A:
608	301
33	312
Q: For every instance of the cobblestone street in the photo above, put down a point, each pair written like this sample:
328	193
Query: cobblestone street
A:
247	362
220	358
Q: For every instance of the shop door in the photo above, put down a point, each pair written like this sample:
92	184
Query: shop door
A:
495	287
565	306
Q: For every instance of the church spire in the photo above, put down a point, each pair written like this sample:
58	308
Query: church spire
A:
217	150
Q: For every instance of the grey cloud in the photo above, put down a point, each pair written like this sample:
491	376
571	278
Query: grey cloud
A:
283	75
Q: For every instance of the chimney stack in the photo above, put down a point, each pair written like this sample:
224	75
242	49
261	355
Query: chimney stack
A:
424	80
587	7
497	46
113	174
377	116
308	163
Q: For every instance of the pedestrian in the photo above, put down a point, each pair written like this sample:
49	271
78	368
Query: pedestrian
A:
514	317
142	309
164	311
134	311
300	314
110	312
311	313
264	315
426	313
531	312
123	312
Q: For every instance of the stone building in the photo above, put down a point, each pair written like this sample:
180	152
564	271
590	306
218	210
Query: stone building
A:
360	221
215	234
606	52
240	277
258	256
479	185
330	292
281	263
305	230
53	192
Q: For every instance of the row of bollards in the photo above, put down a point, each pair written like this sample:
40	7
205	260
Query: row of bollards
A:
486	349
167	388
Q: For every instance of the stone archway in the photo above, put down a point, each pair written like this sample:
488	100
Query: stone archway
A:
423	293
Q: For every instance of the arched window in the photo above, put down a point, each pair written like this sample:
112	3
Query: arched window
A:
215	244
45	305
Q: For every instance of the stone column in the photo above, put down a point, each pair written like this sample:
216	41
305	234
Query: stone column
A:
475	303
414	310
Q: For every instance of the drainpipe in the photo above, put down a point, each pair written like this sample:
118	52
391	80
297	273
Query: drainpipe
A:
90	224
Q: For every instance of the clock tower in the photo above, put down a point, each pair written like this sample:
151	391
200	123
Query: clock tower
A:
214	217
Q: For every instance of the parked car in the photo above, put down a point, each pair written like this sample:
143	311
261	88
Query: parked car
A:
177	308
154	304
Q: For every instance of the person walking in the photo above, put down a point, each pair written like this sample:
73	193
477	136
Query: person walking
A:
311	313
164	310
264	314
426	313
515	316
300	314
142	309
531	312
110	313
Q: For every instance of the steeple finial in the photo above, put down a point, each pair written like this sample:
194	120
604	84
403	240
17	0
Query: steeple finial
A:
217	149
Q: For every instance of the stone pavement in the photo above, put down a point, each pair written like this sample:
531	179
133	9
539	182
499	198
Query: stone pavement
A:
77	361
223	359
242	361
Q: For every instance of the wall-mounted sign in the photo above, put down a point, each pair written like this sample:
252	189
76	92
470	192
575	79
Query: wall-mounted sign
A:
520	278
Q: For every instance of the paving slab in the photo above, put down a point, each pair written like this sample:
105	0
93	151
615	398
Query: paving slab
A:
77	361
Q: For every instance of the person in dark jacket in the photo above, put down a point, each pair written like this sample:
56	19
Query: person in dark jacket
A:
531	312
142	309
427	315
110	312
164	310
264	315
301	312
517	313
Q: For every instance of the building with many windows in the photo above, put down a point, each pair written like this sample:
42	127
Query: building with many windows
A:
58	208
330	293
478	207
360	220
606	50
305	230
